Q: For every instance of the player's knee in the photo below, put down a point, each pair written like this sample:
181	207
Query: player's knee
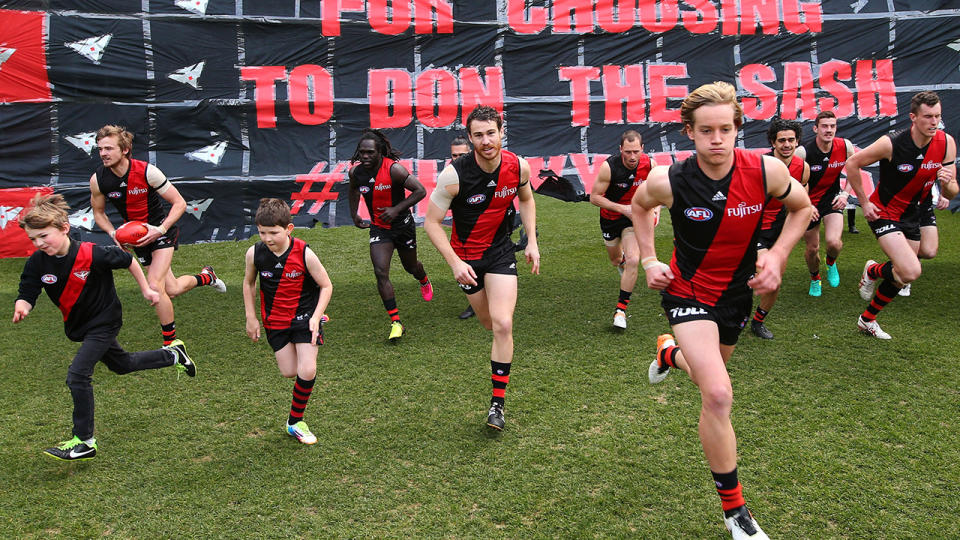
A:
835	245
382	273
927	252
717	399
502	325
288	372
632	260
908	273
77	380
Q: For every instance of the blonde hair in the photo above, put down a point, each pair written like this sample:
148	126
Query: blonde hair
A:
715	93
46	211
124	137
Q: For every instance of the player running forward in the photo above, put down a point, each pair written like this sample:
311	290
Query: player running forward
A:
480	188
911	161
784	135
616	182
716	200
382	182
294	292
825	155
135	188
78	278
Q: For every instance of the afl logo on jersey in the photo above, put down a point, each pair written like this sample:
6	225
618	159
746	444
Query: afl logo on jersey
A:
49	279
905	167
624	186
816	168
698	213
364	189
476	199
266	274
114	195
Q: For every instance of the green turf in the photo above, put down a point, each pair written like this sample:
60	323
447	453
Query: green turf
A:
840	436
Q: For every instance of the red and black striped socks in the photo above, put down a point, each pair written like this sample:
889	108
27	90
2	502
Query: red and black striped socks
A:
390	305
500	375
624	300
883	295
169	332
729	489
301	394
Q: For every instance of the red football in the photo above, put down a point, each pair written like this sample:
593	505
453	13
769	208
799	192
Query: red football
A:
131	232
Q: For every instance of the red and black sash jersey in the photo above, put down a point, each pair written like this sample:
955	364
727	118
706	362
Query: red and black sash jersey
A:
774	213
623	182
906	179
483	209
715	228
379	191
80	284
824	183
132	195
288	293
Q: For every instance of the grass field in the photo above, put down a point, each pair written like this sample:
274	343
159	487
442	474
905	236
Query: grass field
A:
840	435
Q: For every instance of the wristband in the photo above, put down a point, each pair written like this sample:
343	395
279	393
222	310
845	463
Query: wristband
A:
113	234
650	262
163	230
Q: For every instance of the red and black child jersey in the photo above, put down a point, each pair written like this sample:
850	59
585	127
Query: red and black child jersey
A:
131	194
80	284
906	179
774	213
379	191
825	170
623	183
483	209
715	227
288	293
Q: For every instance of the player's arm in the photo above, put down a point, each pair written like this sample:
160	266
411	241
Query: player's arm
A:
600	186
947	175
528	216
840	201
169	193
136	271
785	188
30	289
805	176
354	198
98	204
399	174
882	148
250	296
652	193
319	275
448	186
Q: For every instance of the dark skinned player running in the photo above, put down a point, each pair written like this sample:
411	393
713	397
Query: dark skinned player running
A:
383	182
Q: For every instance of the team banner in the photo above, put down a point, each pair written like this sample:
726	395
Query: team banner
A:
235	100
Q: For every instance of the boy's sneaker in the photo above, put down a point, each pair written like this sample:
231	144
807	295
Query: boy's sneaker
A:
396	330
181	361
866	283
833	275
905	291
426	291
301	432
814	287
657	373
495	416
871	328
620	319
215	282
760	330
742	526
73	450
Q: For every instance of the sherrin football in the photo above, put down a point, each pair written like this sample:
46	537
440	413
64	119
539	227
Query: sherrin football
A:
131	232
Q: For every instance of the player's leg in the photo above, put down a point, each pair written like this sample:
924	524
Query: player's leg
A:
501	296
413	266
902	268
929	242
628	279
157	267
757	324
380	254
305	360
811	254
614	253
832	231
122	362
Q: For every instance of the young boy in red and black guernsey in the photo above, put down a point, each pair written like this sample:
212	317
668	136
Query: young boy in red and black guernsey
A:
294	292
136	188
382	182
78	278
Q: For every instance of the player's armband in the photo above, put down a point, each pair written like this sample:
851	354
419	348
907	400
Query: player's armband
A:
157	180
440	196
787	192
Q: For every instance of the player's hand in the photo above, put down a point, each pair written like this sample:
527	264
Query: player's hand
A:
945	175
656	216
840	201
769	273
113	236
151	295
360	224
253	329
943	203
815	215
869	211
626	210
464	273
532	253
153	232
314	326
389	214
20	310
658	275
